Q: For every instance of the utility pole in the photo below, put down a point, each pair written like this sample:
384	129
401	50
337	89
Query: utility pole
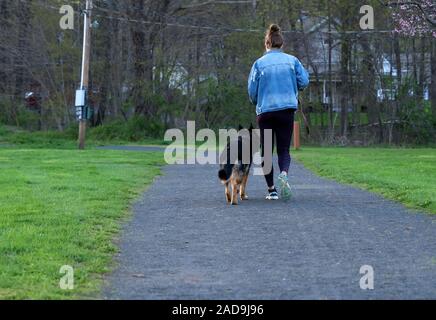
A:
84	83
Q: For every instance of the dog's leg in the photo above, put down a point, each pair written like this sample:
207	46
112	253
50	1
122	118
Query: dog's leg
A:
228	194
234	193
244	195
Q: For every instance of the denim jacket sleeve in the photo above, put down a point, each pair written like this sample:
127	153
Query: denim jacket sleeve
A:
253	84
302	75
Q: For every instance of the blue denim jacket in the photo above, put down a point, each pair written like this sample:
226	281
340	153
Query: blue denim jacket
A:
275	80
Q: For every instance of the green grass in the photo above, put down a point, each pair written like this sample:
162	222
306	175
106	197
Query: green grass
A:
64	207
404	175
13	137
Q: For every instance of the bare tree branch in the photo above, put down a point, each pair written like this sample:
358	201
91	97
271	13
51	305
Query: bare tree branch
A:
216	2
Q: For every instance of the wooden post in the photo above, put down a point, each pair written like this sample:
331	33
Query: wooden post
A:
85	68
297	144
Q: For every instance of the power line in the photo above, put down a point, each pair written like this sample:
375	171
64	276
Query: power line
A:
217	2
209	28
44	5
225	29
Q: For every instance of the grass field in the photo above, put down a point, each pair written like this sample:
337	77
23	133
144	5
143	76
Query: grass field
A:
64	207
404	175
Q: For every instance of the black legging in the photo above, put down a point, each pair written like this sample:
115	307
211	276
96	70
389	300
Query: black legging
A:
282	125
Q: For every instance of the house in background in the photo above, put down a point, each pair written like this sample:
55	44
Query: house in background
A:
389	91
313	49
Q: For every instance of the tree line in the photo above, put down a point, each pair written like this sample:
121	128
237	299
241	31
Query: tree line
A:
157	63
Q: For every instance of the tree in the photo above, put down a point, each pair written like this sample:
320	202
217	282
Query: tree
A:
418	18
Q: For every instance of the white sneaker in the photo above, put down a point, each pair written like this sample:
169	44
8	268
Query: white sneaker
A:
273	195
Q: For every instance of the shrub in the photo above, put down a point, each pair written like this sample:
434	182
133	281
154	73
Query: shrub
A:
417	123
135	129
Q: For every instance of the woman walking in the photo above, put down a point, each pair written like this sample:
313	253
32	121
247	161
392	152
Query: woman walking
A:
273	86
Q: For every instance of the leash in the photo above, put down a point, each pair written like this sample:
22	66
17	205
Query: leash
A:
301	110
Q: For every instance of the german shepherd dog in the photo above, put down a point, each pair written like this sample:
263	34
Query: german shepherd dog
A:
234	172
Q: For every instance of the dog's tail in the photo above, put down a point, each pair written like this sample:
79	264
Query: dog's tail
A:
222	174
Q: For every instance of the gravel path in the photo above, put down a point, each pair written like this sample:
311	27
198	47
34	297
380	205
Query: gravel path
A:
185	242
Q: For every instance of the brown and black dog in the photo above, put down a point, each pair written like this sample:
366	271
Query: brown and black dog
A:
234	172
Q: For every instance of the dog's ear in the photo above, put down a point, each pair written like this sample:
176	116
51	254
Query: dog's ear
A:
240	128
